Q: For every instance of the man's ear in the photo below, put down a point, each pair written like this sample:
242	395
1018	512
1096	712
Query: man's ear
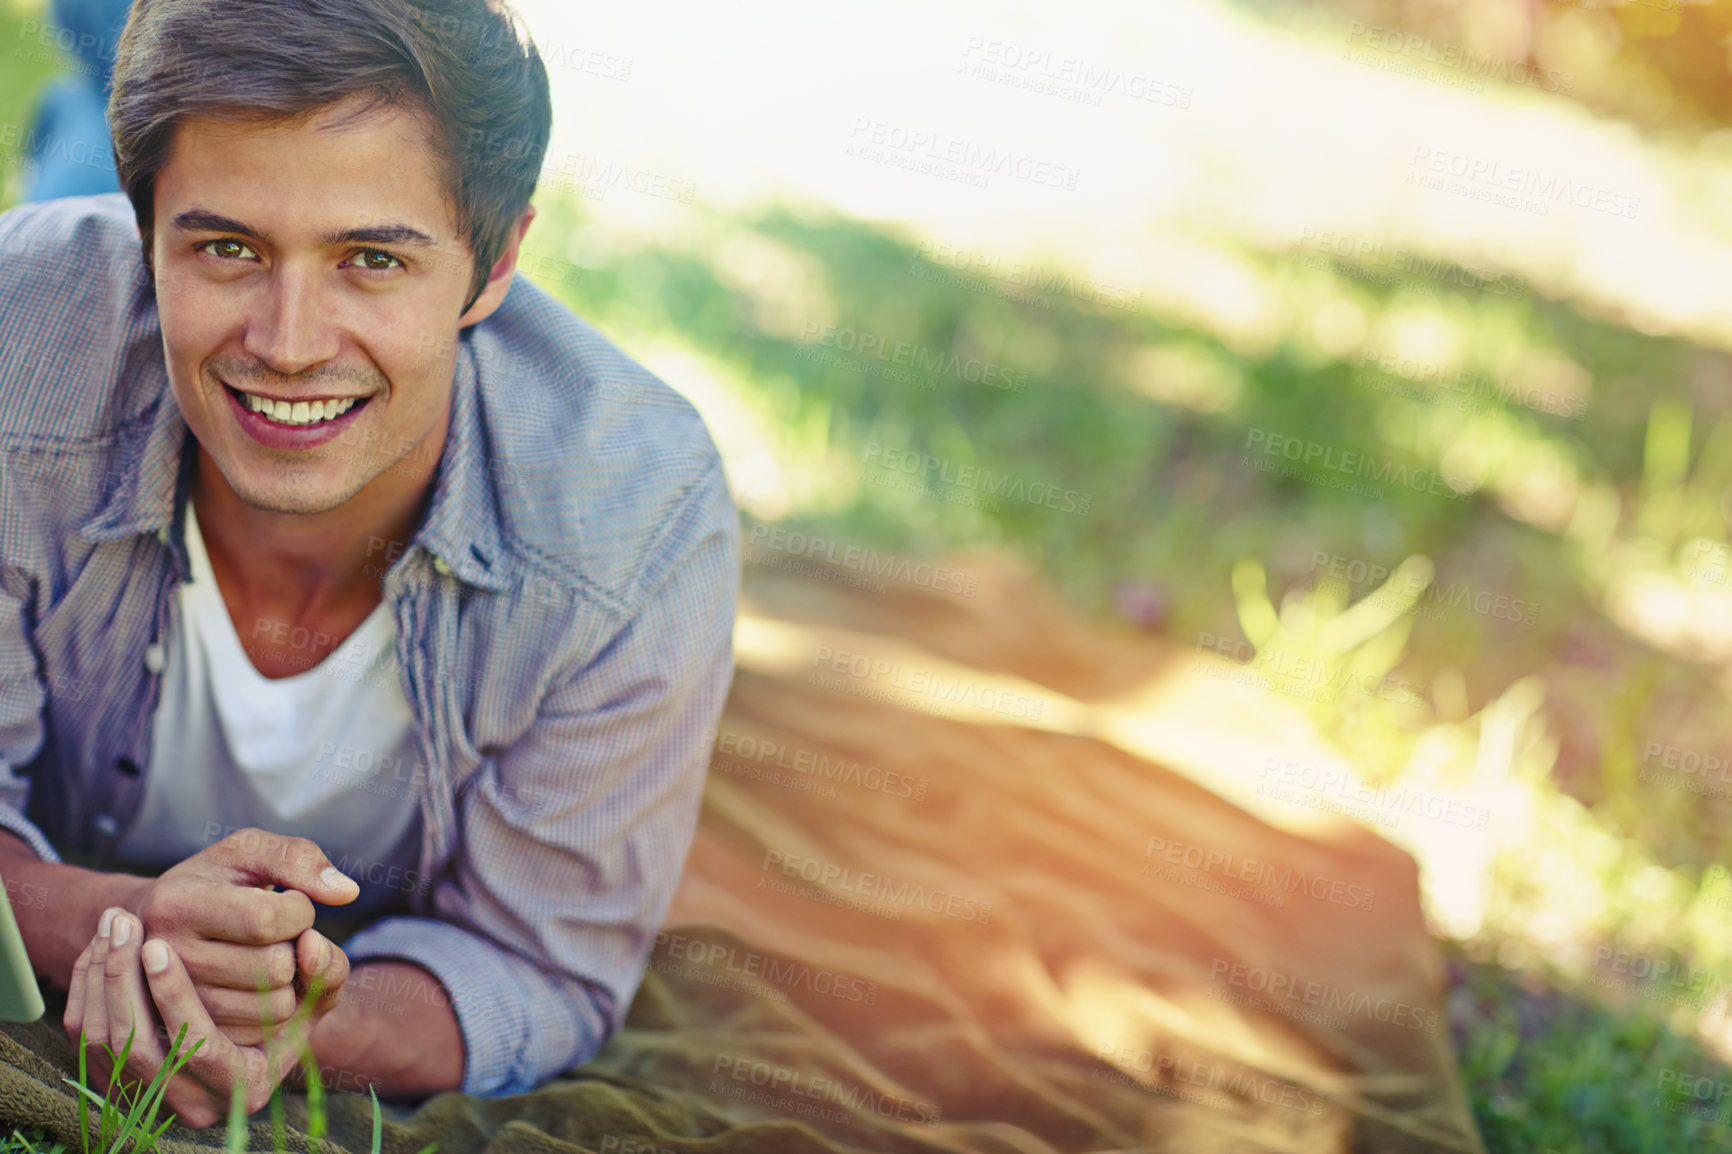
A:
499	277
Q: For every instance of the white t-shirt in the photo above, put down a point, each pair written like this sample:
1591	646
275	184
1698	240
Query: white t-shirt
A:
327	753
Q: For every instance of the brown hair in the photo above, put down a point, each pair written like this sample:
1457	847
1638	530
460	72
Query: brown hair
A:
465	65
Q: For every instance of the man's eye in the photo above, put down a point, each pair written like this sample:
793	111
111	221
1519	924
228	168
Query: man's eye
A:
372	258
227	249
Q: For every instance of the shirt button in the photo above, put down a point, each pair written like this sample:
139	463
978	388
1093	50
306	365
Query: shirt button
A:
442	566
106	824
162	534
154	658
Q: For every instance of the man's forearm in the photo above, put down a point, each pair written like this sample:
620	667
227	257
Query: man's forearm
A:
57	906
394	1030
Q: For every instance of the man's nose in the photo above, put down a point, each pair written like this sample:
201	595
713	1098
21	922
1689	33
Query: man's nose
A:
293	330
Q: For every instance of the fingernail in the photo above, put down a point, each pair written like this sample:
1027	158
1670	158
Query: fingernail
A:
107	921
335	878
122	930
155	956
324	952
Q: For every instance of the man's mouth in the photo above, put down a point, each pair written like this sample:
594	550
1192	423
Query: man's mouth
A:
297	414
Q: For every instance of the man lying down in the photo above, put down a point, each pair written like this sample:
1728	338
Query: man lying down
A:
323	541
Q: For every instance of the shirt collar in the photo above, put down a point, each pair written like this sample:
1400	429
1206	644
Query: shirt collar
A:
153	469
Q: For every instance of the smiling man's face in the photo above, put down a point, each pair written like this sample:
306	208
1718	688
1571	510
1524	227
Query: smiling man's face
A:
298	264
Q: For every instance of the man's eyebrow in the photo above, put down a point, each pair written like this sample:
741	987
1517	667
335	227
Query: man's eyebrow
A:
379	234
203	220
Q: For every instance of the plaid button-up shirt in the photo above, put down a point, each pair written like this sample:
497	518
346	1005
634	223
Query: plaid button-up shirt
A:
564	620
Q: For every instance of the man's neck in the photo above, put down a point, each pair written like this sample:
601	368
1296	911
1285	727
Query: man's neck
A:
303	566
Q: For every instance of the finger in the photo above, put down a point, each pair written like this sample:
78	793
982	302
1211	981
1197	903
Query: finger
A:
131	1014
73	1019
123	990
95	997
235	967
188	1097
235	913
324	966
244	1036
238	1008
216	1061
296	863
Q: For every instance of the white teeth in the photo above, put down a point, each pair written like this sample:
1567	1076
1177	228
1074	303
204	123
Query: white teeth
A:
299	412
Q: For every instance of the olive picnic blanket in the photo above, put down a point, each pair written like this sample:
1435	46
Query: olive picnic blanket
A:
974	875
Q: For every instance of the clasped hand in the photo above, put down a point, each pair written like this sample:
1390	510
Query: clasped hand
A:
210	946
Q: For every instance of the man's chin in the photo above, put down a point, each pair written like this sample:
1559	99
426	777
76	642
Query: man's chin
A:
302	508
303	500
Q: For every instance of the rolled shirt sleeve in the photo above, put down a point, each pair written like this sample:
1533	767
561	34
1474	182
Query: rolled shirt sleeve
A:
571	842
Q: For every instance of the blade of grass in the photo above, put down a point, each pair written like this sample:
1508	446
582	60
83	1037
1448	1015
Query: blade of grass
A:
153	1095
279	1140
83	1118
111	1111
135	1109
315	1096
235	1141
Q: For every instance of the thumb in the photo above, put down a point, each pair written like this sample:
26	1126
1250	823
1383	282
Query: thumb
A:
342	888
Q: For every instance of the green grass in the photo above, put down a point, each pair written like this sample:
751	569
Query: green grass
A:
1551	1071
